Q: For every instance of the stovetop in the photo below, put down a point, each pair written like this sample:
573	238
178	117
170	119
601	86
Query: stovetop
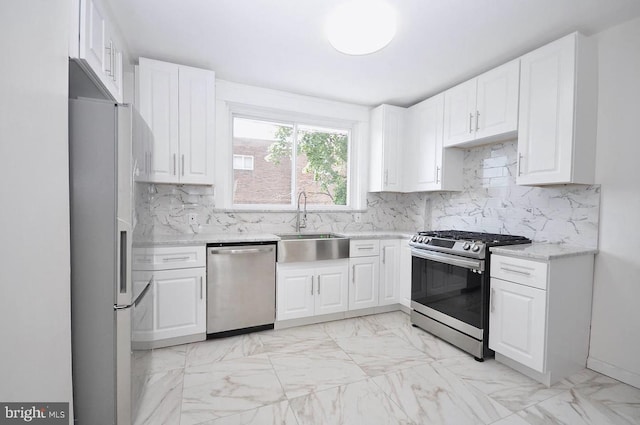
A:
487	238
467	244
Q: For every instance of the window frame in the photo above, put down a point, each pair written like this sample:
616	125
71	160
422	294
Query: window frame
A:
294	120
244	157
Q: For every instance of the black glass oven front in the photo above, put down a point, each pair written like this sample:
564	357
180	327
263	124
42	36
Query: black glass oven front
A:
456	291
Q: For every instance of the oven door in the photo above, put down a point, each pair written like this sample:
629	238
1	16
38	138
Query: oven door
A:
449	289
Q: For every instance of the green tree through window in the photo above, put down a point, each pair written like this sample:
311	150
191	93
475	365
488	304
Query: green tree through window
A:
327	157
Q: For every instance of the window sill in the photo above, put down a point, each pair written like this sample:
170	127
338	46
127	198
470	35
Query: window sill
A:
287	210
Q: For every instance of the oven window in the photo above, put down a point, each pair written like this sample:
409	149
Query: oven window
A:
451	290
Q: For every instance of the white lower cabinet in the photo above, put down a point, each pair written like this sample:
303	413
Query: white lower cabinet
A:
377	274
309	289
540	314
364	282
389	272
175	305
517	322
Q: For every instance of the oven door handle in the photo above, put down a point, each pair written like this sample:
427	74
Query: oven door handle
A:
454	260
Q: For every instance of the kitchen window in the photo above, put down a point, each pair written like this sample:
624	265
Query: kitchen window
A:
287	158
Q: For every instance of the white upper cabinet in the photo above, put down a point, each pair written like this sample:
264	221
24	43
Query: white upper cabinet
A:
558	113
459	113
157	89
430	166
387	134
96	46
177	105
484	109
196	117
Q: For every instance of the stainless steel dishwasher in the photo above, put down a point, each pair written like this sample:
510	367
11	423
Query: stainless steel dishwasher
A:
241	288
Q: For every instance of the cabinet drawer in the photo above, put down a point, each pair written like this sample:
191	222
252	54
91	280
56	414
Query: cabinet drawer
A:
364	248
518	270
169	257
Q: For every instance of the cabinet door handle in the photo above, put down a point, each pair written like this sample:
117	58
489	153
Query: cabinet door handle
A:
509	269
312	278
477	119
437	174
109	49
386	177
200	287
174	164
493	297
182	165
165	259
519	164
114	58
318	284
353	274
470	122
384	255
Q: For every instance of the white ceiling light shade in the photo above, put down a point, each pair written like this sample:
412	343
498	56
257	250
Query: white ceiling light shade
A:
360	27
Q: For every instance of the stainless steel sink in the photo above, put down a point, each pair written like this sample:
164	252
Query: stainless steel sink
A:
296	236
298	247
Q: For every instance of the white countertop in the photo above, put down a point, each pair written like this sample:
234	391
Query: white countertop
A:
379	234
542	251
205	238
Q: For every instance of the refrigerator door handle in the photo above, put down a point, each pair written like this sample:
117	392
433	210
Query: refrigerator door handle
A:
123	275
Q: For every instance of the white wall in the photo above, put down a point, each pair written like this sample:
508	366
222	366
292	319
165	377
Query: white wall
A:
615	330
35	329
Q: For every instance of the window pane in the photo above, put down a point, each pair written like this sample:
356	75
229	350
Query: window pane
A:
269	179
321	165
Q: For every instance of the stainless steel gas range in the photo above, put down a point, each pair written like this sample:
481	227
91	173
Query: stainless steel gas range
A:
450	285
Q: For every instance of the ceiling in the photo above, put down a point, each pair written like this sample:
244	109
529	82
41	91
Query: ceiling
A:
280	44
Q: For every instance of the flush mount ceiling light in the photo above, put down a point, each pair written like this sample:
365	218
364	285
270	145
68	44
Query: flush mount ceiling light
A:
360	27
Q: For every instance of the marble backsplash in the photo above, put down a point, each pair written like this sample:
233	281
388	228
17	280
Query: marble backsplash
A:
163	210
492	202
489	202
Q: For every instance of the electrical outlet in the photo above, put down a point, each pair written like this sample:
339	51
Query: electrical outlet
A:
192	219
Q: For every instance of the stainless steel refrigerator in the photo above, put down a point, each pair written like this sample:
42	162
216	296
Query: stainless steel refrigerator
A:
101	182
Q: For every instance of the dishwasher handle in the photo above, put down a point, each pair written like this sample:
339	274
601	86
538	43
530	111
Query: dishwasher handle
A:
239	250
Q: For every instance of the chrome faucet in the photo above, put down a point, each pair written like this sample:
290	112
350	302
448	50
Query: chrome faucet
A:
300	223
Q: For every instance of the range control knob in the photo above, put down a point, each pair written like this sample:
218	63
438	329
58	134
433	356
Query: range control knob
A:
427	240
475	248
414	238
466	246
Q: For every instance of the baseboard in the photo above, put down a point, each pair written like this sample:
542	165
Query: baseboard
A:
614	372
160	343
543	378
349	314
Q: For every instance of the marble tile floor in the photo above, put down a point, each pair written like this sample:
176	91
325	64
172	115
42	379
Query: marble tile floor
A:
369	370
